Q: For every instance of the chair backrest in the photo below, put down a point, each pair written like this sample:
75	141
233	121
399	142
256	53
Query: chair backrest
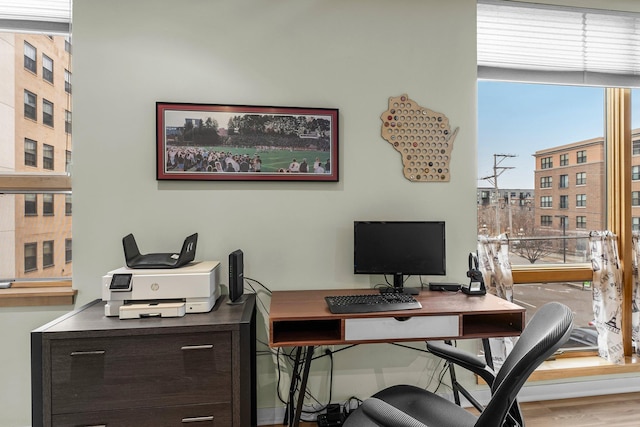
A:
549	328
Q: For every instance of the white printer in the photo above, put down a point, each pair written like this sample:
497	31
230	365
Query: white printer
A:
134	293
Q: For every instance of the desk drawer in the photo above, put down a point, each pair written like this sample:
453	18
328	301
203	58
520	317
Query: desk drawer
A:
96	374
218	415
418	327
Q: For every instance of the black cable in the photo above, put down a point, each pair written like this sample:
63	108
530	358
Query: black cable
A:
256	281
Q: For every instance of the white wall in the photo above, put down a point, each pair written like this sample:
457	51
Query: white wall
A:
130	54
351	55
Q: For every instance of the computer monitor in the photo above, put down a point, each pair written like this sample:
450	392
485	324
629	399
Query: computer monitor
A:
400	248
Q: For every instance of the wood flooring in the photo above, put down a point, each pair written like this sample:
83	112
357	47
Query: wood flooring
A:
616	410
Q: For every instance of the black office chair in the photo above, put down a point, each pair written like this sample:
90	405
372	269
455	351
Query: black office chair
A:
409	406
478	365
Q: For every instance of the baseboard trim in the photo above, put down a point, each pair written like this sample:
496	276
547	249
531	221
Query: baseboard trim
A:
529	393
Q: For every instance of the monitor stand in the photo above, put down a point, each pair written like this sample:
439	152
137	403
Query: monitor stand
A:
398	286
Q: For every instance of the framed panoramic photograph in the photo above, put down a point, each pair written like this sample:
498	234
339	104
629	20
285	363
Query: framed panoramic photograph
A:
246	143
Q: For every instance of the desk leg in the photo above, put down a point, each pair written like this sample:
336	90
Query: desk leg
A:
303	385
288	413
488	357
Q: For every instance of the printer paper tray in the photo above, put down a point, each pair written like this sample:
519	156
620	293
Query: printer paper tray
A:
166	309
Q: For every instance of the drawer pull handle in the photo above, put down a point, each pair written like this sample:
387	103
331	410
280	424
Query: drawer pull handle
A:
97	425
197	347
197	419
87	353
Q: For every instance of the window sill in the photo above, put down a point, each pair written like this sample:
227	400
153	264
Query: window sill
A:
29	294
572	367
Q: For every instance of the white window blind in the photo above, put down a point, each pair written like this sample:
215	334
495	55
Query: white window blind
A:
552	44
40	16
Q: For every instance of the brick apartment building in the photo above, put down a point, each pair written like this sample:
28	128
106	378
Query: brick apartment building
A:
35	139
569	188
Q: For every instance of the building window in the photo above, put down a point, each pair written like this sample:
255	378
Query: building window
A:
47	112
546	182
30	109
581	200
47	156
546	221
47	253
636	146
47	68
564	202
47	204
30	257
635	198
564	181
67	251
30	152
67	45
635	223
581	178
564	159
30	204
635	173
67	121
546	201
67	161
546	163
30	57
581	156
581	222
67	81
67	204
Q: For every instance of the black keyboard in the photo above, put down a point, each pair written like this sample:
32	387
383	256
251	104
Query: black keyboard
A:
368	303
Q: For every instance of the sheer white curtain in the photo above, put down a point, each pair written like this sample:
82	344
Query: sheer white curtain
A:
607	294
493	260
635	302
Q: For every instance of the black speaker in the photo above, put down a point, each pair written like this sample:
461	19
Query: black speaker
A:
236	276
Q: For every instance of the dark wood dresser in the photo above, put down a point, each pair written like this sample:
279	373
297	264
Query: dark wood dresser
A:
199	369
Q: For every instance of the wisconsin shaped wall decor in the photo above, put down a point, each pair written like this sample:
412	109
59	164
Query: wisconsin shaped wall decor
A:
423	138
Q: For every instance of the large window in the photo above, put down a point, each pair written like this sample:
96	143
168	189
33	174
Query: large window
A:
36	190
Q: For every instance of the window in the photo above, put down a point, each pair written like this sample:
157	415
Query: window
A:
47	253
47	112
546	220
67	81
546	182
67	204
635	173
581	178
581	200
546	163
47	68
581	222
67	251
635	223
47	204
30	57
30	257
564	181
67	161
67	121
635	198
47	156
581	156
30	152
564	159
30	109
30	204
546	201
636	147
564	202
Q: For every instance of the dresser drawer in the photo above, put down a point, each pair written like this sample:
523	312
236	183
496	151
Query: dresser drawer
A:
416	327
97	374
218	415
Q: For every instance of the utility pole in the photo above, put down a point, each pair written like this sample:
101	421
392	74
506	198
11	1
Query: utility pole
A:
493	179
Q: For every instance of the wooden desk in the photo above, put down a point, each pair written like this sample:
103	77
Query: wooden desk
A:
302	319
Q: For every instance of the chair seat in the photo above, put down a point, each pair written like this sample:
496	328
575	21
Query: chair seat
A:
424	406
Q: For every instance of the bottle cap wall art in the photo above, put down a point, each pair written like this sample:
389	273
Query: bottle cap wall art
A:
422	136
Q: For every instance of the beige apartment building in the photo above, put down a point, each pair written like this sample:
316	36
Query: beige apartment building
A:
35	138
